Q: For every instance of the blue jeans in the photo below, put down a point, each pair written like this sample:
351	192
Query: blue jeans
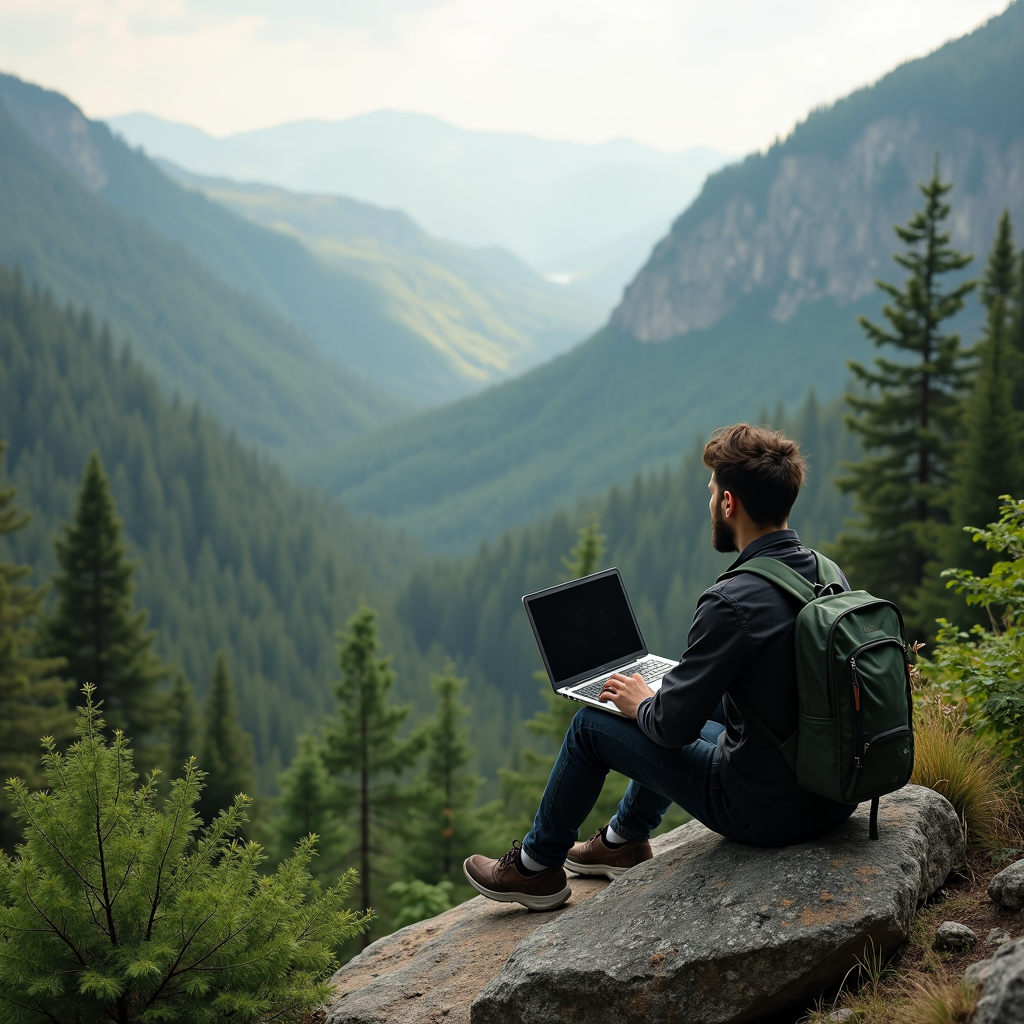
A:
598	742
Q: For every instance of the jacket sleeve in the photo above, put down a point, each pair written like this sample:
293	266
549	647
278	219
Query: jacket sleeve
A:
716	649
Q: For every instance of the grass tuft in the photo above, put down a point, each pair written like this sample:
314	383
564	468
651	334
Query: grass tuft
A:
935	1002
954	761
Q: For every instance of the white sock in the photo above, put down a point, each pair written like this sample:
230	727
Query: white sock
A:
529	863
612	836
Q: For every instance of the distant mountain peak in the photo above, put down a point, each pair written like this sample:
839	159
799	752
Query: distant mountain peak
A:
812	218
58	126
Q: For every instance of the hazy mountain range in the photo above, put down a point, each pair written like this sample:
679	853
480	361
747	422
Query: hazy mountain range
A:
421	320
750	300
586	214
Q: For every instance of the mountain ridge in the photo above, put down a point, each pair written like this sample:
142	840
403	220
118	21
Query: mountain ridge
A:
424	340
771	324
541	199
201	338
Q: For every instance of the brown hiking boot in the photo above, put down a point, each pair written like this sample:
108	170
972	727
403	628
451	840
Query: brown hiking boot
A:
501	880
596	857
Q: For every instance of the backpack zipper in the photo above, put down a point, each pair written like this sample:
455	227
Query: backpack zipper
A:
859	745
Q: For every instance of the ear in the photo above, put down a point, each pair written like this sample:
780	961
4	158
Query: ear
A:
728	503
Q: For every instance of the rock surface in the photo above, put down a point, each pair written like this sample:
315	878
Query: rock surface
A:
713	931
1002	983
1007	888
432	971
997	937
954	935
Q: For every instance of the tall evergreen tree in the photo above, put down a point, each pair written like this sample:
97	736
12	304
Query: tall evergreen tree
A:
901	493
1017	336
182	724
309	804
32	698
364	747
443	827
95	627
226	756
990	462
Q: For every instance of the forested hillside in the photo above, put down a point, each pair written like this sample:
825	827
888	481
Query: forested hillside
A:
658	534
755	292
484	313
573	427
232	556
425	340
201	337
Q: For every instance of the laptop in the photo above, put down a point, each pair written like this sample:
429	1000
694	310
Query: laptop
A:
586	630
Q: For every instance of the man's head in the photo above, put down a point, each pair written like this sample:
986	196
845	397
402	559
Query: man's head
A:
756	474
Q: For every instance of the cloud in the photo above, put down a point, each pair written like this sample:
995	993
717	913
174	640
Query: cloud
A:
672	73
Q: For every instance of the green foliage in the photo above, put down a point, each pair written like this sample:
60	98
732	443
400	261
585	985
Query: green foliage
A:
95	629
442	825
310	804
202	338
990	461
1017	337
418	901
986	667
232	556
912	424
31	695
181	727
227	747
364	747
115	909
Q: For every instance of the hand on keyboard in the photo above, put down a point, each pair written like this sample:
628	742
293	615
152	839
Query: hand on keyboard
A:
627	693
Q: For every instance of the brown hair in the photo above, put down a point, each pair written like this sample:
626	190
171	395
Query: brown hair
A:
762	467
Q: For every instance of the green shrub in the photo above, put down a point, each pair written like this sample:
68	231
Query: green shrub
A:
985	667
117	909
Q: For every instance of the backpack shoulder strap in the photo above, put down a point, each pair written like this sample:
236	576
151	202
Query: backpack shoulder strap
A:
828	571
778	573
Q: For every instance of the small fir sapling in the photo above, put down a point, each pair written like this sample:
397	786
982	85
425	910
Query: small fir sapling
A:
118	908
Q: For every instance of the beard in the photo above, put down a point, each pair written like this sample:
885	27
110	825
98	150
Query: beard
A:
722	537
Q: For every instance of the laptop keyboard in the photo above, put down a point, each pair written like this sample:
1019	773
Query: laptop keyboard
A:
651	671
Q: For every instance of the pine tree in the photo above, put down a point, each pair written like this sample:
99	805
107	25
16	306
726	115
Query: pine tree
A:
117	908
364	747
227	748
1017	337
309	804
990	462
901	493
443	827
95	627
32	698
182	725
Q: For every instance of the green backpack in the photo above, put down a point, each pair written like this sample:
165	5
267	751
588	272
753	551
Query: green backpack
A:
854	739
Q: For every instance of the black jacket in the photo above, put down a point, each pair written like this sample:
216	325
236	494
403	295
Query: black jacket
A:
742	642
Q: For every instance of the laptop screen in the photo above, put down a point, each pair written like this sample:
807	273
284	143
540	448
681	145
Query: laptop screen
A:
582	627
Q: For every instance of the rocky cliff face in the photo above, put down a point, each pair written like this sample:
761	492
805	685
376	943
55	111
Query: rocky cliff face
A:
823	227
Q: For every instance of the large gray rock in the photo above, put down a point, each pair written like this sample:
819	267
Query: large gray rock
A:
432	971
1007	888
1002	983
713	931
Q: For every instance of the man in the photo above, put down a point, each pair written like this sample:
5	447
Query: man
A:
693	742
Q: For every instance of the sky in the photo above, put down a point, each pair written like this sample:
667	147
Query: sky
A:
731	75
